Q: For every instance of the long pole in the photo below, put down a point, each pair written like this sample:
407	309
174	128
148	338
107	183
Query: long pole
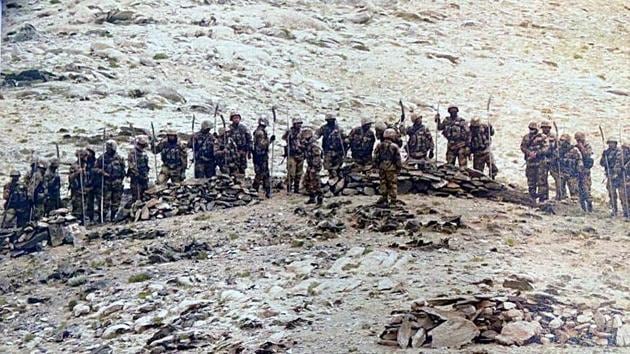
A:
82	190
608	171
288	155
103	179
437	135
273	145
623	177
559	187
192	138
154	155
491	159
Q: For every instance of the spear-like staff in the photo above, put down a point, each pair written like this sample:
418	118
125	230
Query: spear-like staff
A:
491	159
273	145
437	135
154	140
608	171
103	178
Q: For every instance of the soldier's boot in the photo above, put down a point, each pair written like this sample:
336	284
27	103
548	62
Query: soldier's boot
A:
583	204
320	199
311	199
382	200
589	206
296	187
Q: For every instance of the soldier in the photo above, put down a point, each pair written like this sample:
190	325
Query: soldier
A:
174	158
621	173
16	205
294	152
36	188
138	168
332	145
388	161
243	140
456	131
81	183
110	169
608	162
550	163
480	140
203	143
313	156
587	158
420	144
53	187
379	130
535	147
572	169
361	141
226	154
261	157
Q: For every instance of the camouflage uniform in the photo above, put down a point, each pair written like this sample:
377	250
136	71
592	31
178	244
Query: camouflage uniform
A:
456	131
608	162
550	163
16	205
174	159
480	141
53	187
534	147
203	143
361	141
587	158
332	145
260	157
379	130
388	161
37	191
621	173
226	153
313	156
110	169
294	152
138	168
420	144
81	185
572	169
243	141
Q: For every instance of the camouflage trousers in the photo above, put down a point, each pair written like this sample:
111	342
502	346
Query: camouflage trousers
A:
587	184
15	218
175	175
77	205
572	184
112	195
362	159
389	185
312	182
295	169
261	168
138	187
560	192
618	192
455	152
537	181
483	159
205	169
39	210
333	160
52	203
241	164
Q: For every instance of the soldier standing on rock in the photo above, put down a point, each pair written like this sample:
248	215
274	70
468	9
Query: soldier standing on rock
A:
110	169
480	147
138	168
261	157
572	169
608	162
621	173
81	183
174	158
313	155
587	158
53	187
455	130
203	142
535	147
550	163
420	143
37	190
226	153
332	145
16	206
388	161
294	152
243	140
361	141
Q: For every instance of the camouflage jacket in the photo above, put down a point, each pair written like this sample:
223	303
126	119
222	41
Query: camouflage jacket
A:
456	131
551	156
361	142
420	141
203	145
313	156
78	178
36	187
587	154
387	156
138	164
295	143
332	138
535	145
173	155
226	152
571	163
621	170
398	140
113	166
53	184
15	195
480	139
241	137
609	160
261	142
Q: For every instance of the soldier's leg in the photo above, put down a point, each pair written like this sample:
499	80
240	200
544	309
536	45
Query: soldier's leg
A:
163	176
77	206
116	197
624	194
612	198
542	183
392	181
299	171
210	170
531	172
257	175
462	157
10	218
451	156
572	183
478	163
21	217
382	187
200	170
89	205
329	164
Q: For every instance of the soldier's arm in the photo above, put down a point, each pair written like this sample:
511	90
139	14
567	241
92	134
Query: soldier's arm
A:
248	140
191	142
524	147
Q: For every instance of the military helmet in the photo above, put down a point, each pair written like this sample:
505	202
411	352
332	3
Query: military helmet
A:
565	137
533	125
54	162
475	122
14	173
142	140
380	125
297	120
307	133
366	121
206	124
234	114
263	121
330	116
389	134
112	144
170	132
545	124
611	140
579	136
416	117
452	108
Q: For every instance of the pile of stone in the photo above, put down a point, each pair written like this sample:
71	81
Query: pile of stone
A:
189	197
164	253
429	178
57	229
452	322
385	219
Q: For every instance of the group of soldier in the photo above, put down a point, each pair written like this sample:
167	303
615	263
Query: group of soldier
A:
569	162
96	183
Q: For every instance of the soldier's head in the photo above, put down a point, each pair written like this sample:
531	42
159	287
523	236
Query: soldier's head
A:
565	140
330	119
612	143
297	122
171	135
263	122
111	147
545	126
416	118
308	135
475	123
533	127
82	155
579	137
235	118
206	126
54	164
15	175
366	122
42	165
380	126
452	111
389	134
141	142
